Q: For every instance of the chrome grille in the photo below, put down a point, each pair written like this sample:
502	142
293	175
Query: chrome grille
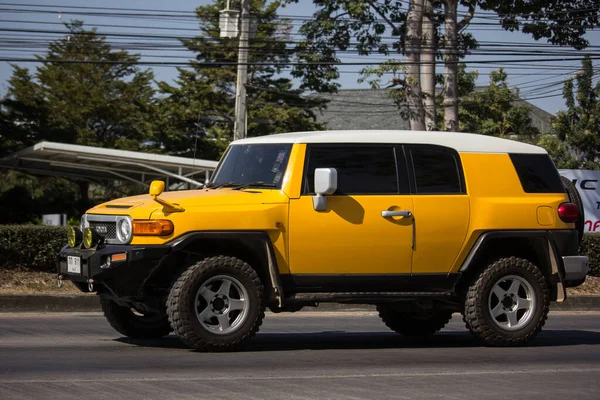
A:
105	226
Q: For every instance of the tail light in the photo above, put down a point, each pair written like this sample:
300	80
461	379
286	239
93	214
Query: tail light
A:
568	212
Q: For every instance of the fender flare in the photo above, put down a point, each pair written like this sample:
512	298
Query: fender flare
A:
557	269
268	252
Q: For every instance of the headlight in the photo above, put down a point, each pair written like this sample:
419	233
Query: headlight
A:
124	230
90	238
84	223
74	236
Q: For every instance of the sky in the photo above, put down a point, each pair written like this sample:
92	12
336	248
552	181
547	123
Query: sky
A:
539	83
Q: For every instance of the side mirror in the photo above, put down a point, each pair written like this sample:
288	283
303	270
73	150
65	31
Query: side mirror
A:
156	188
326	183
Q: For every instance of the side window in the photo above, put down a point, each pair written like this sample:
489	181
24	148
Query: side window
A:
537	173
436	171
361	170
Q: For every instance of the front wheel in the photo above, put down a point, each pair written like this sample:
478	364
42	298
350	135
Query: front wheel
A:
508	303
217	304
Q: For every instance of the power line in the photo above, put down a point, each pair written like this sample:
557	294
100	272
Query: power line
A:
480	14
232	63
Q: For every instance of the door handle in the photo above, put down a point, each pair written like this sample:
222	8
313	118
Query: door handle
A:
399	213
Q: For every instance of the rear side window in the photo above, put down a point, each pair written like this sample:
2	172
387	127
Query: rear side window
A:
361	170
537	173
436	171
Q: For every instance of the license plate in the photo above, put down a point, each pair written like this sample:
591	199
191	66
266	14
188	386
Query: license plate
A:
74	265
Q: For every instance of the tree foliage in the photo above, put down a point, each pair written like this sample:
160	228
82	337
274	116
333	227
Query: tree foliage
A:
339	25
84	93
493	111
197	112
579	125
558	150
561	22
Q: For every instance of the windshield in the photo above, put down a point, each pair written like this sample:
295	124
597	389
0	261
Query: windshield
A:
252	164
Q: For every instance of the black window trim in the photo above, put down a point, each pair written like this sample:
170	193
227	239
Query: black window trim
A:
411	168
397	148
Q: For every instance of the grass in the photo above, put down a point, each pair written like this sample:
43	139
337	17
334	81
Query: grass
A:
33	282
590	286
30	282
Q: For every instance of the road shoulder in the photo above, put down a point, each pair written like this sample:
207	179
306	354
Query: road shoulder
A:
90	303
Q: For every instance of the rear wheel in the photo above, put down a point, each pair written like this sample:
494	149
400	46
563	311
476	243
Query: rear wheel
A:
508	302
135	325
413	323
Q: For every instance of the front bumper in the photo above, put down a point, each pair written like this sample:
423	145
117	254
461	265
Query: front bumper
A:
90	264
576	269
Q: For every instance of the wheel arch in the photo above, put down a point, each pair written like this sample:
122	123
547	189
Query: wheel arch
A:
252	247
534	246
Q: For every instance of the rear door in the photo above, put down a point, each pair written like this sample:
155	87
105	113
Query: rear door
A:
441	210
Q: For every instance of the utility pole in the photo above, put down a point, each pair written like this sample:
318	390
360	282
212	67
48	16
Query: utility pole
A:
239	128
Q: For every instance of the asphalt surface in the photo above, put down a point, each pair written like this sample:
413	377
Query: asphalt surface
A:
295	356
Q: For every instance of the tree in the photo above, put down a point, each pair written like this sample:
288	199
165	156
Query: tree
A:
428	77
197	112
85	93
561	22
339	25
492	111
558	151
414	31
451	56
579	125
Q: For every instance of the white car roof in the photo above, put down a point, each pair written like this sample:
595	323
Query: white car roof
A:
461	142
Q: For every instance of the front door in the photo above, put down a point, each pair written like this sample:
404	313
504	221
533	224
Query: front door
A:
352	246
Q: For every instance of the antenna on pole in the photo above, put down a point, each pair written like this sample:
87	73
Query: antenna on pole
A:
239	127
230	22
196	145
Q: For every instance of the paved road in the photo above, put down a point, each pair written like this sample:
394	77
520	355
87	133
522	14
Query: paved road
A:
296	356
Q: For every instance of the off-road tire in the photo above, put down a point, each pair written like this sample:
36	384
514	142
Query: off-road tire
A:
476	309
411	323
124	321
181	304
575	198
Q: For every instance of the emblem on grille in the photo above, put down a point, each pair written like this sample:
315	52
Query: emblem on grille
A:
102	229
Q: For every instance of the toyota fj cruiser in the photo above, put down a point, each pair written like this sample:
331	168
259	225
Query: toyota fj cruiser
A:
420	224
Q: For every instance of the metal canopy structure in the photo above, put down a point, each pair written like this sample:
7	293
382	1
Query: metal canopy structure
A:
97	164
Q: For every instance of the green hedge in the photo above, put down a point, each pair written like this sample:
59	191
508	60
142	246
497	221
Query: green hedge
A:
32	247
35	247
590	246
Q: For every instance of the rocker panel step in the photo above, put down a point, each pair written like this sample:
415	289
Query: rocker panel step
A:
362	297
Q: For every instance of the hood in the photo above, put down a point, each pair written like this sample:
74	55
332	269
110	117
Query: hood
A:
143	206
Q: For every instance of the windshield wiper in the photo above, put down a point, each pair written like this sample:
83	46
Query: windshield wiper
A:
222	185
254	184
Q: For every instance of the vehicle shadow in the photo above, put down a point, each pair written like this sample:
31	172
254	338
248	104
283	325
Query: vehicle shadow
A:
339	340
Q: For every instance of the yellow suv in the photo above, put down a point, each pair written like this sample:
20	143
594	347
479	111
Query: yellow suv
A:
420	224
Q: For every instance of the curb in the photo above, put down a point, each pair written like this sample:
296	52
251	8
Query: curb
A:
49	303
91	303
